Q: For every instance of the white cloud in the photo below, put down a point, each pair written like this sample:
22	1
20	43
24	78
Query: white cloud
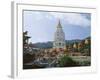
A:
69	18
72	18
48	17
41	15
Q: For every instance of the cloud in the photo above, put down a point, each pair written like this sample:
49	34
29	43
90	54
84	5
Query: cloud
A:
72	18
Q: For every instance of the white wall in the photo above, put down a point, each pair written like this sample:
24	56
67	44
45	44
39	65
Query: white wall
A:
5	41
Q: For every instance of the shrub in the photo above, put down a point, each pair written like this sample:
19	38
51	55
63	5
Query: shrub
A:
67	61
85	63
27	58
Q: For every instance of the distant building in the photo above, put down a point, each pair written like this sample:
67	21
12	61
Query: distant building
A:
59	38
86	41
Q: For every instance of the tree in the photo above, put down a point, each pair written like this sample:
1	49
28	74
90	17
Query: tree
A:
25	42
26	56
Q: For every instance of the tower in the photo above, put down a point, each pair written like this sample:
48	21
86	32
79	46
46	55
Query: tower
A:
59	38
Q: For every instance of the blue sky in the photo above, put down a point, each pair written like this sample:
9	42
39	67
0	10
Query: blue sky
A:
41	25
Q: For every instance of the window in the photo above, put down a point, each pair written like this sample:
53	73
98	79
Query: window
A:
59	44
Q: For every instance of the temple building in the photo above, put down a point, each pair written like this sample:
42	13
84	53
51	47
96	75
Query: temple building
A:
59	38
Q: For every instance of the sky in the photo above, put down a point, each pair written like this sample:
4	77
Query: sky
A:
41	25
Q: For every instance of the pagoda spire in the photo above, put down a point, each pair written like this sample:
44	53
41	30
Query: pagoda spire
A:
59	24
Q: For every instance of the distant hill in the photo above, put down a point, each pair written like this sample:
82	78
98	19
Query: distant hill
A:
43	45
73	41
49	44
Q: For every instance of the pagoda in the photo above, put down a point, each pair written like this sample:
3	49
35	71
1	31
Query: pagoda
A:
59	38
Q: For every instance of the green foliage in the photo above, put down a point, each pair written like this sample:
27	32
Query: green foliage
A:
67	61
85	63
86	49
